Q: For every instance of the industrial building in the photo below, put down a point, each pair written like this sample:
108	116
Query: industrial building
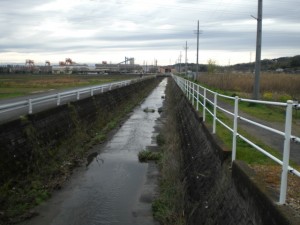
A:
68	66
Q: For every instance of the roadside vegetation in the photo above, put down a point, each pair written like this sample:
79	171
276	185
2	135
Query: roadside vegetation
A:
271	90
245	152
273	86
266	169
284	64
228	84
22	85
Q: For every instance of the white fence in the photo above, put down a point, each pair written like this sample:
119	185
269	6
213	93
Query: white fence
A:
197	94
32	103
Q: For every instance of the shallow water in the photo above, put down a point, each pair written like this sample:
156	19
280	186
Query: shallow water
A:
111	191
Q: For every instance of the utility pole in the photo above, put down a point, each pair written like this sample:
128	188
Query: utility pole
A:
186	48
180	62
198	32
258	51
197	70
146	67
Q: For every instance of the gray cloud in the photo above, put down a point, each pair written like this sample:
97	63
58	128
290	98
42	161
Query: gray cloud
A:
32	26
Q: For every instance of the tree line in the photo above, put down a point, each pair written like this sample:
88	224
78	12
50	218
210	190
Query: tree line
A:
286	64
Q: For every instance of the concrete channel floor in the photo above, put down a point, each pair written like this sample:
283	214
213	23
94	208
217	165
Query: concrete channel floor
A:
115	188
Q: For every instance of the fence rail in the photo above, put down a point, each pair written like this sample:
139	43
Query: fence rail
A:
197	94
33	103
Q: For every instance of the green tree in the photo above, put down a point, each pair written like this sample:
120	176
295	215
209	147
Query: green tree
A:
211	66
295	62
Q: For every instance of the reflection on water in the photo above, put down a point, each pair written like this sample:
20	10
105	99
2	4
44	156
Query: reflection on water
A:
108	192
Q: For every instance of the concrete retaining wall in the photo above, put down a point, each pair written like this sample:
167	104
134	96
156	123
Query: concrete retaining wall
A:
23	139
217	193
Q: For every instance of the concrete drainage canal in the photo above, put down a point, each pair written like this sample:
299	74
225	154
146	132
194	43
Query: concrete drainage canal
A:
114	187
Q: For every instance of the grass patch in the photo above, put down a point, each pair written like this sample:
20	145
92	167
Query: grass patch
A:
168	207
165	207
261	111
245	152
160	140
22	85
282	86
149	110
146	155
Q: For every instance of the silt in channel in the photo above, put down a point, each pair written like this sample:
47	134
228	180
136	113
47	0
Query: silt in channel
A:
114	189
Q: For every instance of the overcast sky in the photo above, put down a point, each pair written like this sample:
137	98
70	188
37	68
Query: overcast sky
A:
92	31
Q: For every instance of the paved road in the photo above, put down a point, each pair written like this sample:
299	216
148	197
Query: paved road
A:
6	116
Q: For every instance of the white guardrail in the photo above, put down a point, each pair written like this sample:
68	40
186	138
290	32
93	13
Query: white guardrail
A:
197	94
30	103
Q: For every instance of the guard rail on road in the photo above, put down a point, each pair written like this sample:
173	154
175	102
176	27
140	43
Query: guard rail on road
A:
34	102
198	97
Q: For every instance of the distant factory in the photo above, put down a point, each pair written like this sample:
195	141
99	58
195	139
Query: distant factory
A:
70	67
127	66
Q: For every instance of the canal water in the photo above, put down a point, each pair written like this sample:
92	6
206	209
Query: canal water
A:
115	188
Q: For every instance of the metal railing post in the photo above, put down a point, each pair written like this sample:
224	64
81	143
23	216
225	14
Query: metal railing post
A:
197	106
235	121
204	104
92	91
102	89
78	95
215	112
30	106
187	88
193	95
286	152
110	87
190	90
181	85
58	99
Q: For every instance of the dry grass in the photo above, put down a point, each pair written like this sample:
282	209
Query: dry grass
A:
271	176
20	85
277	87
168	207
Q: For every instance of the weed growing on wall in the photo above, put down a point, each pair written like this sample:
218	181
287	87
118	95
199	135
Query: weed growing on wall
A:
147	155
168	208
